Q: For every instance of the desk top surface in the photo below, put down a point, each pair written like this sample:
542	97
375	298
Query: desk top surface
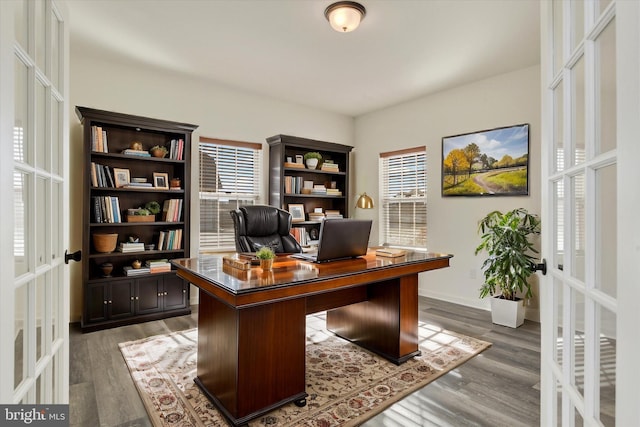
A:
289	271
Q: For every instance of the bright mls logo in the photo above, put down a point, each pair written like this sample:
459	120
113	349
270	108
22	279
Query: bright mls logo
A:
36	415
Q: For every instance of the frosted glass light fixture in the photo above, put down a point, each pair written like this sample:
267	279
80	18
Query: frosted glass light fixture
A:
345	16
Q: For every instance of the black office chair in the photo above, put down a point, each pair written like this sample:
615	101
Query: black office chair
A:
257	226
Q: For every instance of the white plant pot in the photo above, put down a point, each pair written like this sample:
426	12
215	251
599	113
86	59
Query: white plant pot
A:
506	312
311	163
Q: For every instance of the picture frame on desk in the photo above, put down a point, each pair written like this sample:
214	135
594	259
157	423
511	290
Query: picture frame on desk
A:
297	212
121	176
161	180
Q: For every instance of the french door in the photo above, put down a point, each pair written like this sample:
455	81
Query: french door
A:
586	179
34	311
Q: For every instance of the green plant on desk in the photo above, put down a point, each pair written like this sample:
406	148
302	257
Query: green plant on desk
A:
265	252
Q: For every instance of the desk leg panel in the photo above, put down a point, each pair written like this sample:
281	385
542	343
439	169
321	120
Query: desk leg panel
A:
386	324
251	360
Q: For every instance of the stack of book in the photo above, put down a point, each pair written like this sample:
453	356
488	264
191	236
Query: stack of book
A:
316	216
130	271
329	213
126	247
172	210
292	184
101	176
140	153
236	262
99	140
106	209
301	235
319	189
333	192
176	149
329	166
170	240
158	265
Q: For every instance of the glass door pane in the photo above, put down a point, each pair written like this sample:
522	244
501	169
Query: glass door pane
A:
578	227
606	114
606	229
578	122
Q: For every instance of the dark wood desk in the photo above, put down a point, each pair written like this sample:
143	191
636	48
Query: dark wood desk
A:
251	324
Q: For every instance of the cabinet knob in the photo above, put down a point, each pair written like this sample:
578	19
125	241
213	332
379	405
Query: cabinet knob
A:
184	291
159	294
131	298
106	302
137	298
165	294
110	302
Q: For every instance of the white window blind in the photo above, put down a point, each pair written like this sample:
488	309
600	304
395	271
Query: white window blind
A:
403	180
229	178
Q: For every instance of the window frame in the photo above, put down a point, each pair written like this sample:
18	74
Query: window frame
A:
402	159
248	192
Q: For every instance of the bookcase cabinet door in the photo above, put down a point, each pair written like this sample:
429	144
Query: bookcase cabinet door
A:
121	299
175	292
96	302
149	295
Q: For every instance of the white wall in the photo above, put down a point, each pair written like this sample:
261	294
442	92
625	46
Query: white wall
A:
503	100
220	112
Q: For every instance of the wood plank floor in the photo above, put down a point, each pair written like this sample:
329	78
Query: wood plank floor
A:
497	388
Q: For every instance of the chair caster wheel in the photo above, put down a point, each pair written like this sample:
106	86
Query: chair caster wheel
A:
300	403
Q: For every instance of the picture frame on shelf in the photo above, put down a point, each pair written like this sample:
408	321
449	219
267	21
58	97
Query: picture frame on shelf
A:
297	212
121	177
161	180
299	159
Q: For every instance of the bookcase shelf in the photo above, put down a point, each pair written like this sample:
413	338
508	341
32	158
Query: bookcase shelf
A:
120	299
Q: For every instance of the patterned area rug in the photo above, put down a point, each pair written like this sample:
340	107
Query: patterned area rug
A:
346	384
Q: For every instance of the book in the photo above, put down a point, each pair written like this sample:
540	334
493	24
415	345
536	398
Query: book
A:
130	152
130	271
390	252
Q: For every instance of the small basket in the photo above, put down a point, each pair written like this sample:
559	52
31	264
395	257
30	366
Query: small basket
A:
141	218
105	242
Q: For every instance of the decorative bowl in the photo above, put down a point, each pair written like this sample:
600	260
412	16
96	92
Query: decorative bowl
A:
105	242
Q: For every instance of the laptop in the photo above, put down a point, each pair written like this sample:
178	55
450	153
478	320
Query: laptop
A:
340	239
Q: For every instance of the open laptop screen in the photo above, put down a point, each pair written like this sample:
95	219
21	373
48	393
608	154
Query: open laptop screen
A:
340	239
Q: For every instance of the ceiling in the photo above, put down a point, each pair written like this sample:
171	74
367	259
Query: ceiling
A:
403	49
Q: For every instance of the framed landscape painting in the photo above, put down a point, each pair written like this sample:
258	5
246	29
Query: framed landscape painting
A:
492	162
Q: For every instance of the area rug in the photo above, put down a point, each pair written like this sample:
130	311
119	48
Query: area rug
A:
346	384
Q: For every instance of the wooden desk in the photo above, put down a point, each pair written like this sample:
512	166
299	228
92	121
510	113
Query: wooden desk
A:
251	324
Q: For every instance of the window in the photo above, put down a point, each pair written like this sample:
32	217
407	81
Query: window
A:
229	178
403	180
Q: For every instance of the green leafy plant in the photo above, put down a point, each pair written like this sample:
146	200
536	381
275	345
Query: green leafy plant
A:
313	155
153	207
160	148
142	212
505	239
265	252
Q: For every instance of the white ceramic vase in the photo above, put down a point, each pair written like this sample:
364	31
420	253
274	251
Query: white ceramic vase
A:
311	163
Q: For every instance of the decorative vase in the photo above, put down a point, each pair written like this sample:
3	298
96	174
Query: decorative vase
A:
507	312
158	153
311	163
136	264
174	183
266	264
106	268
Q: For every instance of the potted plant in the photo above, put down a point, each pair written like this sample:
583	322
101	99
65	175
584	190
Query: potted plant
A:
266	255
312	158
158	151
153	207
505	237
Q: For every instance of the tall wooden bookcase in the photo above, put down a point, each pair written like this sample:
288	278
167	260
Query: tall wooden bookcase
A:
283	173
119	299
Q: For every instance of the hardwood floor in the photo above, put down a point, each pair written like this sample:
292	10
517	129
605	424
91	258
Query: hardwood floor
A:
496	388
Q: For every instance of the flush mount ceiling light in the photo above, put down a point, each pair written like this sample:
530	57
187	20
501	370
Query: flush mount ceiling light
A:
345	16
